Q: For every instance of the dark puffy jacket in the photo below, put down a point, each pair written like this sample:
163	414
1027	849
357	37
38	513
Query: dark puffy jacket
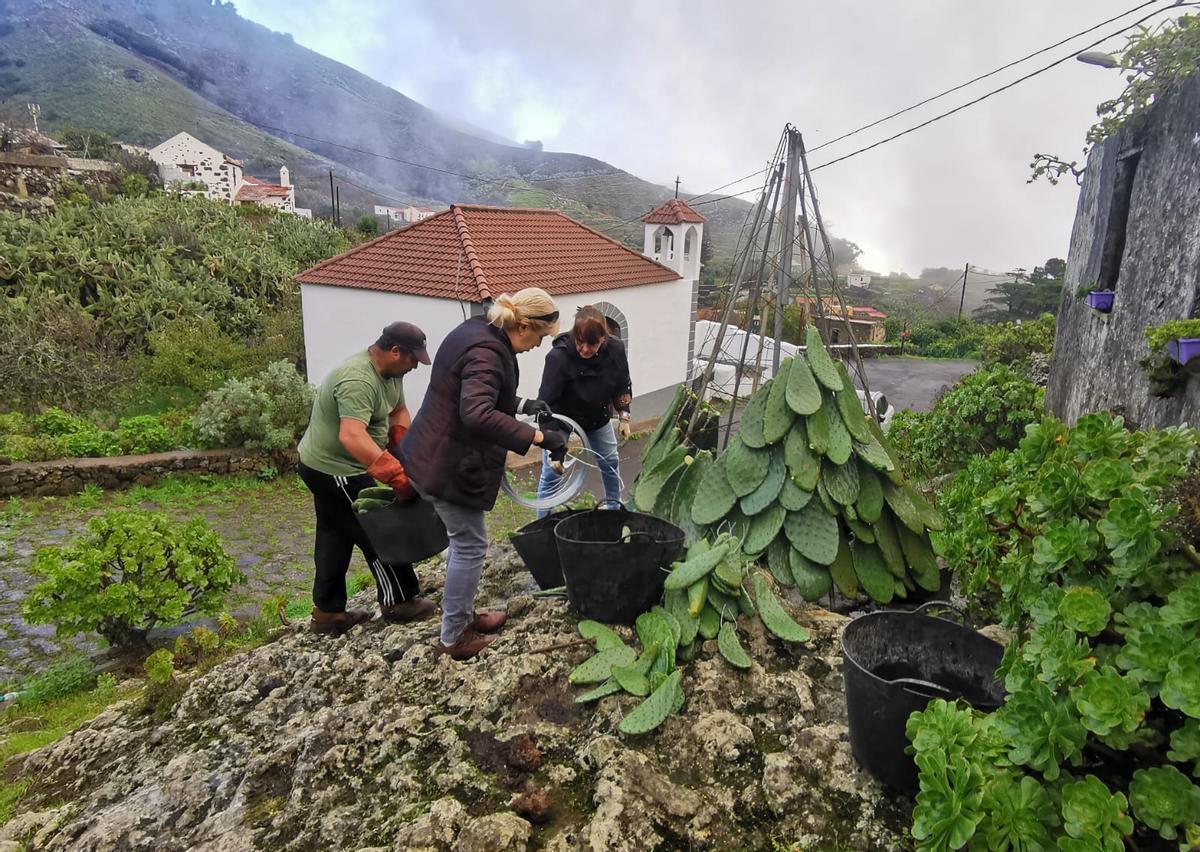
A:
586	389
459	440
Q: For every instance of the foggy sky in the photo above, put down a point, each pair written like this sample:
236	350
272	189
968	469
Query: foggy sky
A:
702	89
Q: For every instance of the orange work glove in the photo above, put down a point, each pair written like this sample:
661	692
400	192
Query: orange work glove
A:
396	433
388	470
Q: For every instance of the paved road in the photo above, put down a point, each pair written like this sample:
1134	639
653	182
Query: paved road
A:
914	382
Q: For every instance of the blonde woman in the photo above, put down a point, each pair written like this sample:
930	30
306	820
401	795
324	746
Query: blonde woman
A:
455	450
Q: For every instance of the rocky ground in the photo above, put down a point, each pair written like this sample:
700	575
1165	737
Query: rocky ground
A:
368	742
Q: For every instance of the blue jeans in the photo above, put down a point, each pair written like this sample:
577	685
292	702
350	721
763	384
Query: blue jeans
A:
604	444
464	565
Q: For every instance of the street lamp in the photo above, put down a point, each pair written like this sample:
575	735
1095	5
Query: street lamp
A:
1100	58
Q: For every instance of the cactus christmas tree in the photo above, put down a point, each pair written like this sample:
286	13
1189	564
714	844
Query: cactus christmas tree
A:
810	487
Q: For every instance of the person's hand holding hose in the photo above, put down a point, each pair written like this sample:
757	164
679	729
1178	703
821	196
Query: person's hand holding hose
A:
535	408
555	443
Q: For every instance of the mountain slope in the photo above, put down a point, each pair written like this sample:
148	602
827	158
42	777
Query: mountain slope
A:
145	69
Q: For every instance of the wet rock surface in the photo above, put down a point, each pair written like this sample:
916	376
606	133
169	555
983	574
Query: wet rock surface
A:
367	742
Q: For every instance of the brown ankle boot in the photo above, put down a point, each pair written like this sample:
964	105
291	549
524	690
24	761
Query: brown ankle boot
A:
489	621
468	644
336	623
407	611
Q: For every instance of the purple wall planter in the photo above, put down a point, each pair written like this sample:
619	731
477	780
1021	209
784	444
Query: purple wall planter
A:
1101	300
1184	349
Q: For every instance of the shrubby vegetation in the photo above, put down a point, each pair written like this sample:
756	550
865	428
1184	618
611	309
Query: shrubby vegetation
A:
987	410
269	411
57	434
1083	540
129	572
140	306
149	304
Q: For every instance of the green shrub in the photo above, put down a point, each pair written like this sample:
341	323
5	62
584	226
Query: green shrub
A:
988	409
1158	336
1078	539
14	423
160	667
135	185
91	442
367	224
33	448
57	422
196	355
269	411
130	571
144	434
948	338
1013	343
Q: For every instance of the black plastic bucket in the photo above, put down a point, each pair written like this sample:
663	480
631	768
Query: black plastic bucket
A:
611	579
538	549
405	532
894	663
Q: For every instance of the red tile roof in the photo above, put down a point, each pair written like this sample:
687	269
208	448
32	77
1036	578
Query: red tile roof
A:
473	252
672	212
256	190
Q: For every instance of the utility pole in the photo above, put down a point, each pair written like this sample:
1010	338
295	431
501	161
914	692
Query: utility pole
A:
791	184
34	112
338	204
332	202
963	297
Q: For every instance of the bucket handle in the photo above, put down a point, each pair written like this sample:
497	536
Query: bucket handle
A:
923	685
962	616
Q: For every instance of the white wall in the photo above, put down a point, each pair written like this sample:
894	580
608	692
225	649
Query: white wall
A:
339	321
659	320
208	166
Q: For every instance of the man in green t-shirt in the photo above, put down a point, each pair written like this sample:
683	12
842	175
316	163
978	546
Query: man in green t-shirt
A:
358	415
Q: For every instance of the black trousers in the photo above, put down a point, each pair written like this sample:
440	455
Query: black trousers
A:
338	533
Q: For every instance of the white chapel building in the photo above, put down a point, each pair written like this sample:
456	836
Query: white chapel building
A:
450	266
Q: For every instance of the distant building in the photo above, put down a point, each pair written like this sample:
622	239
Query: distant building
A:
858	279
405	215
866	323
192	167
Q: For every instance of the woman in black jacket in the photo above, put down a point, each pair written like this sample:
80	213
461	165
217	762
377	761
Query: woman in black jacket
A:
455	450
586	378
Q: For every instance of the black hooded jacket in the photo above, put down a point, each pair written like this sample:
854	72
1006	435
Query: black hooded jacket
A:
586	389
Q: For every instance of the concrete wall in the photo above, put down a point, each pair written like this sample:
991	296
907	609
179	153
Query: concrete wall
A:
1095	362
339	321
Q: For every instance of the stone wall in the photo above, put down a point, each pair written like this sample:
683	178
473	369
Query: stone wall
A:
29	182
1137	228
69	476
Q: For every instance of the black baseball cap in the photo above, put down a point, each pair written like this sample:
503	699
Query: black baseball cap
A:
408	337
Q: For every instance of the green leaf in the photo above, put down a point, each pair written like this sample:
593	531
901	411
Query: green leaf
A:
1181	687
1185	744
1109	703
949	803
1147	653
1018	815
1084	610
1130	529
1042	730
1094	813
1164	799
1183	604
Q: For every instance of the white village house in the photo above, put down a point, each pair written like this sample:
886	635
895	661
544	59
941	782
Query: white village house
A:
404	215
184	160
448	267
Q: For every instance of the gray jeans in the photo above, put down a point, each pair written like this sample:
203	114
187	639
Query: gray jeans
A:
464	564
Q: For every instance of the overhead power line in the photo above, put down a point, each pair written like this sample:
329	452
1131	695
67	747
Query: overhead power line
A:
991	73
987	95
